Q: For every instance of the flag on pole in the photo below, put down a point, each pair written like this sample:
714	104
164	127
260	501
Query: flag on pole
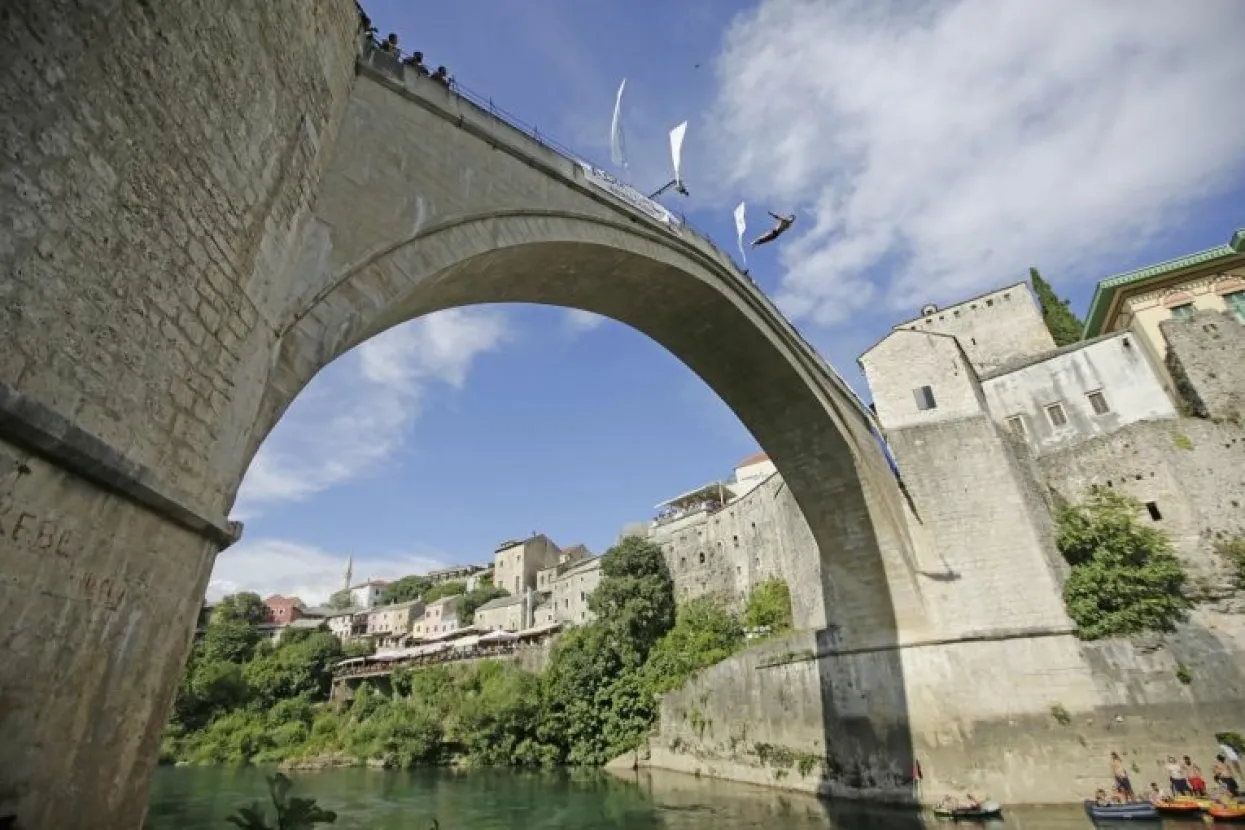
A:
741	225
676	149
618	147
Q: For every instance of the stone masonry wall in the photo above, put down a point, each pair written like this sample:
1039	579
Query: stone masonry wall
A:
1001	697
1206	359
156	161
1191	470
985	530
761	536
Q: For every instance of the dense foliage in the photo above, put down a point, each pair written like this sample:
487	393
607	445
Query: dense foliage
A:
445	589
1125	578
405	589
769	606
243	701
1063	325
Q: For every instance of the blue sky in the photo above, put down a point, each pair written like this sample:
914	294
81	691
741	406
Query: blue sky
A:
931	150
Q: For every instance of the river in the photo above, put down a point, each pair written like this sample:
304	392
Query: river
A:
198	798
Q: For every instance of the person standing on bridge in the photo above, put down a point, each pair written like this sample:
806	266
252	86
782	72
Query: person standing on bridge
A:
778	230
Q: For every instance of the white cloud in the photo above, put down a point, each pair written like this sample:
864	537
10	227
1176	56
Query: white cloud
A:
579	322
357	412
938	149
275	566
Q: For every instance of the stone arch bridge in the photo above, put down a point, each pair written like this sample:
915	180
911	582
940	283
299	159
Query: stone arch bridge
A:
201	208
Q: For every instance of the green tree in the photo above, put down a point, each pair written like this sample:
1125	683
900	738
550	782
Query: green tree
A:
636	594
1063	325
302	667
703	634
769	605
229	641
1125	578
245	607
445	589
405	589
341	600
472	600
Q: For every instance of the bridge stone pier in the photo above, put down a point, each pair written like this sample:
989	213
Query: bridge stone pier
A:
204	204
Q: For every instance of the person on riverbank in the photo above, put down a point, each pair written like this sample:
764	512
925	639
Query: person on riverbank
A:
1231	757
1196	782
1224	775
1156	795
1177	775
1119	772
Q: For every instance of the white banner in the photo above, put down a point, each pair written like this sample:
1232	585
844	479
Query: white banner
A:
618	147
626	193
676	149
741	225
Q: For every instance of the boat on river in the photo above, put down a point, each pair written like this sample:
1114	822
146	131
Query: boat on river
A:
1176	808
1222	812
984	810
1132	811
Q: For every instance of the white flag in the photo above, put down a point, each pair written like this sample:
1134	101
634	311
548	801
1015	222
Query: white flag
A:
741	225
676	149
618	148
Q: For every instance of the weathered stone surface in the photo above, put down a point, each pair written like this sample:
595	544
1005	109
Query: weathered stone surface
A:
156	160
1206	360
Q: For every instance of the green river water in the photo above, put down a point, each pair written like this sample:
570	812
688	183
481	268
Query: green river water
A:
199	798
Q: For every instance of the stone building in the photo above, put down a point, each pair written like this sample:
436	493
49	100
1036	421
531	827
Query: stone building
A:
367	594
503	614
993	329
440	617
348	624
516	563
454	573
1205	364
1140	300
396	620
1052	399
571	589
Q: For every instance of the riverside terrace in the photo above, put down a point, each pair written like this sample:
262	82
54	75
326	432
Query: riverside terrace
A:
464	644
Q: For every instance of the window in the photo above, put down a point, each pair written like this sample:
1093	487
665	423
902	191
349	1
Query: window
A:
1017	425
1182	312
1236	305
1056	415
924	398
1098	402
1152	507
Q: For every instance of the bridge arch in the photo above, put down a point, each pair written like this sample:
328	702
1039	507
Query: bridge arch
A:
164	297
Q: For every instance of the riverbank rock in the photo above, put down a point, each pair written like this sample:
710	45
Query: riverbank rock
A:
319	762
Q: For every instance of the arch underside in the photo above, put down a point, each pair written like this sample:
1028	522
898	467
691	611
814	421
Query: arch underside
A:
632	274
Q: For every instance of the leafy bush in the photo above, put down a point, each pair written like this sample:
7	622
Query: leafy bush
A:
1125	578
445	589
769	605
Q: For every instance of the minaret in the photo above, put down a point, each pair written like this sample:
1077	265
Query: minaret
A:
349	571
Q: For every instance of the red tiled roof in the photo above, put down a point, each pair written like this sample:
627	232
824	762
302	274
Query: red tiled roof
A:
753	459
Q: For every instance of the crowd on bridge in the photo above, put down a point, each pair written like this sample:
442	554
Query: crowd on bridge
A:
414	61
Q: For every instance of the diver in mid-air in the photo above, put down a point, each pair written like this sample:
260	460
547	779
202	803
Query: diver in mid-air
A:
778	230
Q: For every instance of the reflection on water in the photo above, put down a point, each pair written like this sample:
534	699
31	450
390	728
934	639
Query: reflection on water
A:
199	798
